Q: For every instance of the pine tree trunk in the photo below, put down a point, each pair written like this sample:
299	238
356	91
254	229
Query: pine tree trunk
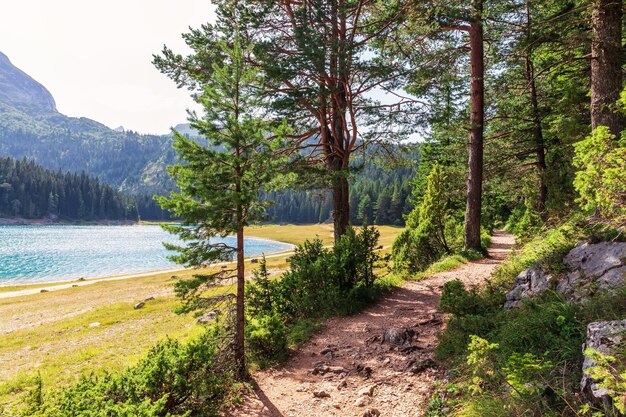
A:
539	143
240	314
537	138
606	64
475	163
341	200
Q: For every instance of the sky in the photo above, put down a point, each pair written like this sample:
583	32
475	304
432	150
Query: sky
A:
95	56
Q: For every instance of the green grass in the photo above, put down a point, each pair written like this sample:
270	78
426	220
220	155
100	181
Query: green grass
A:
453	261
447	263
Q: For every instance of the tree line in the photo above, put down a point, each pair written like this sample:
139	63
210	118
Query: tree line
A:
29	191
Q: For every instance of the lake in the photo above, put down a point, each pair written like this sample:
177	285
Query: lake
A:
31	254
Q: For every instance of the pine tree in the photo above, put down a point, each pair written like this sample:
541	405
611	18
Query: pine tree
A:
323	69
220	182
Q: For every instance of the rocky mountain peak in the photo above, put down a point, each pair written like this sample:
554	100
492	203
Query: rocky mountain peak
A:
19	90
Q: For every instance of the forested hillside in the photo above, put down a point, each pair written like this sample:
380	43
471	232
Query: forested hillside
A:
30	191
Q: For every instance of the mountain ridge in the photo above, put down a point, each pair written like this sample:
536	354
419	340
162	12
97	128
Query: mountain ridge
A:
21	90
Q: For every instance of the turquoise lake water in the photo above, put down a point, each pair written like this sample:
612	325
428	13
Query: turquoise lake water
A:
30	254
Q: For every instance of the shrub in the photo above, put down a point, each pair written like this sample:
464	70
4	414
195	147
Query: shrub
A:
432	231
610	373
267	338
321	282
260	292
174	379
457	300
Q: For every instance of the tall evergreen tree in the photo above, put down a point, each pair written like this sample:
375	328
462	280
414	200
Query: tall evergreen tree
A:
220	182
323	72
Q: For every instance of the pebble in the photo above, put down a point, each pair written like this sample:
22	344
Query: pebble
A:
362	401
321	394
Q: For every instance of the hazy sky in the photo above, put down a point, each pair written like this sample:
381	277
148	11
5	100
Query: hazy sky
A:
95	56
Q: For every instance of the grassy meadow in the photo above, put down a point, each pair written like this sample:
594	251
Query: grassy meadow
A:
65	333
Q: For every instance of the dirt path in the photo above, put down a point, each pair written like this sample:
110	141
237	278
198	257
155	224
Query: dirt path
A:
350	356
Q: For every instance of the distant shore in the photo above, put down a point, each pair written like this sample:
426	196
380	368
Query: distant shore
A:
47	221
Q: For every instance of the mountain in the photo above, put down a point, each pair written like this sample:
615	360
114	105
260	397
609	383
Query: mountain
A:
20	91
31	127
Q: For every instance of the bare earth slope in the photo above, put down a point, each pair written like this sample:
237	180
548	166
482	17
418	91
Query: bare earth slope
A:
387	350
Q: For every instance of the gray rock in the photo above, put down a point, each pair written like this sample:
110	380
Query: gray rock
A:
594	260
152	298
592	268
602	336
208	317
139	305
399	336
529	283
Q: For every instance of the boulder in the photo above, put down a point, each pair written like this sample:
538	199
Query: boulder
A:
594	260
139	305
602	336
530	282
591	268
208	317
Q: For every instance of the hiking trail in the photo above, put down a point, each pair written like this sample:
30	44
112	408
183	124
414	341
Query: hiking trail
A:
377	362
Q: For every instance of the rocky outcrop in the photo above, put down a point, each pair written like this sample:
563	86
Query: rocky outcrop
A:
22	92
602	336
591	268
530	282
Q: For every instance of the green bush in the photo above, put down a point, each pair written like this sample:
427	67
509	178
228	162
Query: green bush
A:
457	300
321	282
266	337
174	379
